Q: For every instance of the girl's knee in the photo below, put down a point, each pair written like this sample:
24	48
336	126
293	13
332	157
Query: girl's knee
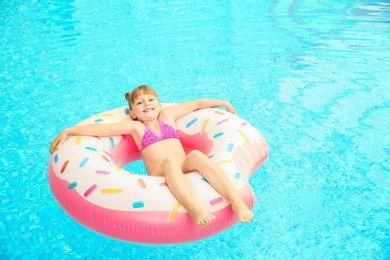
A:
194	161
194	154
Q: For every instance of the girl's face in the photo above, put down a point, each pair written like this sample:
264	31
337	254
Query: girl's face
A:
145	107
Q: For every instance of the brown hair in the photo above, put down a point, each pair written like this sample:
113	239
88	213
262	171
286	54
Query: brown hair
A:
138	91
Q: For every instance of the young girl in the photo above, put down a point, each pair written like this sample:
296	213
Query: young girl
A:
154	131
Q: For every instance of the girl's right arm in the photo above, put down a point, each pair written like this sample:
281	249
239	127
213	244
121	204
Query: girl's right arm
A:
93	130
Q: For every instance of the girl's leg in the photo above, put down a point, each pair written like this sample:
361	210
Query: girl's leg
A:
182	190
197	161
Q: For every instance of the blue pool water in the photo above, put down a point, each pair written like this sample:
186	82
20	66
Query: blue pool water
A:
312	76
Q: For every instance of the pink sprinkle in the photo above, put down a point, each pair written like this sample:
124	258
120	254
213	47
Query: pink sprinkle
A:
90	190
244	123
162	184
108	154
216	201
102	172
223	121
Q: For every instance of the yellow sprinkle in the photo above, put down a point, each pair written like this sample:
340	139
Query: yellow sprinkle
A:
225	161
243	135
204	125
173	212
111	190
106	115
78	140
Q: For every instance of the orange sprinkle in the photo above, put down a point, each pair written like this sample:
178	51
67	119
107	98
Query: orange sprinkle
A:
64	166
105	158
173	212
219	112
141	183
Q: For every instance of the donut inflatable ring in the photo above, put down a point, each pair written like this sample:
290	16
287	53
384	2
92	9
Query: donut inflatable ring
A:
87	179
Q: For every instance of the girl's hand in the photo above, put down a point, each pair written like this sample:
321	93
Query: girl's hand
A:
58	141
230	108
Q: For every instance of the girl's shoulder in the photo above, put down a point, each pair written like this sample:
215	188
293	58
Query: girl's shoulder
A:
167	116
136	125
130	126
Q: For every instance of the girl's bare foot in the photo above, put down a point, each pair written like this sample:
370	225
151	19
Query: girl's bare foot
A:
200	216
243	213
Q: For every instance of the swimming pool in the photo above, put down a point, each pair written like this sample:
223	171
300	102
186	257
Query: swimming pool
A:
312	76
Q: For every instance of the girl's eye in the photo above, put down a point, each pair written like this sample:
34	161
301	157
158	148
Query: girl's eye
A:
139	102
151	99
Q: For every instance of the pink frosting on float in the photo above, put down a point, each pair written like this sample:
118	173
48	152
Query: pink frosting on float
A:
125	151
198	141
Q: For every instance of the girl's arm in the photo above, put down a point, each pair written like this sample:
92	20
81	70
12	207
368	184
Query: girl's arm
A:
92	130
187	107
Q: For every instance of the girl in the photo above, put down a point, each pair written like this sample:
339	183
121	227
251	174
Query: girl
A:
154	131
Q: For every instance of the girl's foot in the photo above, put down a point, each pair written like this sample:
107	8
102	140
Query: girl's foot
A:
201	217
243	213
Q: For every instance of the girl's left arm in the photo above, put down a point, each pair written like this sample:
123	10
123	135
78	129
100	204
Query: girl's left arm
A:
182	109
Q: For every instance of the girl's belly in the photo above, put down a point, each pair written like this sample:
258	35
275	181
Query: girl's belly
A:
155	154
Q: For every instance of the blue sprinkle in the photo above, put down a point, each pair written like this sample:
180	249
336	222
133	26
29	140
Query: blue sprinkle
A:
238	175
230	147
55	158
72	185
138	204
83	162
90	148
127	111
99	120
112	142
191	122
218	134
203	179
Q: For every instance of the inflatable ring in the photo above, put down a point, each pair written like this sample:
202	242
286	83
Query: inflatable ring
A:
87	179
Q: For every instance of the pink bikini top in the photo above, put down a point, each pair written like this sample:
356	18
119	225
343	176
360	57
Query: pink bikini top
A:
150	137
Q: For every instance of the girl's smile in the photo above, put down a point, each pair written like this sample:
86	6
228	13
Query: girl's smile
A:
145	105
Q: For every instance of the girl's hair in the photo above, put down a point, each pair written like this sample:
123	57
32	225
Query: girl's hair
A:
138	91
